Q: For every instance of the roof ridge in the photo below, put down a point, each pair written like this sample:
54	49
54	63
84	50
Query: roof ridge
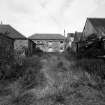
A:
47	36
96	18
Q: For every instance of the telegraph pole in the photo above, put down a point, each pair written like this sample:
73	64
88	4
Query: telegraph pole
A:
64	33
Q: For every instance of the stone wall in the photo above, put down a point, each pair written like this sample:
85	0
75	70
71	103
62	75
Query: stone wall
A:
50	45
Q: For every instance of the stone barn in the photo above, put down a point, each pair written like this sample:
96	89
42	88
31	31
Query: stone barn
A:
49	42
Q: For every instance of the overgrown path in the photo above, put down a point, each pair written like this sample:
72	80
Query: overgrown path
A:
55	80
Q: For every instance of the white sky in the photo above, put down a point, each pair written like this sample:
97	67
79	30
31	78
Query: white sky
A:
49	16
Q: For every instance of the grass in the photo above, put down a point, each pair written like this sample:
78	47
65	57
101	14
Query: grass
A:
55	80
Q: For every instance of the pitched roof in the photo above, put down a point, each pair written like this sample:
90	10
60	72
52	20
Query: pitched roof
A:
98	24
10	32
47	37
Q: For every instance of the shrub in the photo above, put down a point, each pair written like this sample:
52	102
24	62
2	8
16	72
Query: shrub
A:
32	75
25	99
70	54
29	72
92	66
31	78
37	51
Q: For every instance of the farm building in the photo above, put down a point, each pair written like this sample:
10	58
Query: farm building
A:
76	42
20	42
72	40
92	41
94	26
49	42
19	39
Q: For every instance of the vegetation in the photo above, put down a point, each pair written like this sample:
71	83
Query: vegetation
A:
55	79
37	51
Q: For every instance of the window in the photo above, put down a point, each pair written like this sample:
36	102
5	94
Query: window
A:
61	41
50	41
38	41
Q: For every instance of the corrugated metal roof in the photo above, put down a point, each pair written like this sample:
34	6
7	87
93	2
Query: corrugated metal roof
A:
11	32
47	37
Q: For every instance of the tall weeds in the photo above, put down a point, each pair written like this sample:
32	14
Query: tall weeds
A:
54	79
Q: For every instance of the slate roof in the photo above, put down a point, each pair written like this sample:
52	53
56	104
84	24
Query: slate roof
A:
11	32
98	24
47	37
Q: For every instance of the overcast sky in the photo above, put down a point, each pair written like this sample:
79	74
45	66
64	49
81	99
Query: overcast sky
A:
49	16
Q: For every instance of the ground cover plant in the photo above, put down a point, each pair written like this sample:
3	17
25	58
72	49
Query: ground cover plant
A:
55	79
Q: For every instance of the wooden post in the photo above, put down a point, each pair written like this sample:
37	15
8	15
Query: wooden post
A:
76	47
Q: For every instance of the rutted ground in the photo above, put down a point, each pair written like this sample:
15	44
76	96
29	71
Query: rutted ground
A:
63	83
